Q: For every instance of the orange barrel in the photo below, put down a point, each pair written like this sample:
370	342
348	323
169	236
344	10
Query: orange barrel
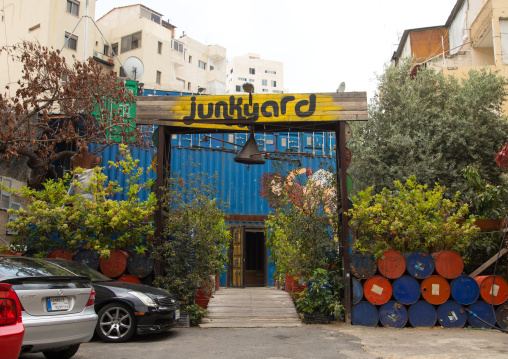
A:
60	253
288	283
391	264
435	289
128	278
140	265
115	265
377	290
362	265
448	264
492	289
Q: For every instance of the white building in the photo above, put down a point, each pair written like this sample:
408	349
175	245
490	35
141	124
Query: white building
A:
267	76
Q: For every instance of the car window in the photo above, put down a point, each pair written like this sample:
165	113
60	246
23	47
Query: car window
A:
81	270
28	267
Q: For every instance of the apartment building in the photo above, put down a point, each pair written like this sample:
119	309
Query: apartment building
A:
267	76
169	64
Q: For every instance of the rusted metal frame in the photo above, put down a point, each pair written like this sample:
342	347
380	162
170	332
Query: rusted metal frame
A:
342	180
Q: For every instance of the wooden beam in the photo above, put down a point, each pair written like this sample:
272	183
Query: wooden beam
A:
489	262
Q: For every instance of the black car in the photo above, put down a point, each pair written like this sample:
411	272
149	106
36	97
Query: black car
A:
126	308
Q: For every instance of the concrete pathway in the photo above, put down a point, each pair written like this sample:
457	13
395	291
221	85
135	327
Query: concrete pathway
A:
258	307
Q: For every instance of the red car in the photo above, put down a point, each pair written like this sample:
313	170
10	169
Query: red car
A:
11	327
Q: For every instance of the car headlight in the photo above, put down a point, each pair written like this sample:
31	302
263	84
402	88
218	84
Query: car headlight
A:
149	302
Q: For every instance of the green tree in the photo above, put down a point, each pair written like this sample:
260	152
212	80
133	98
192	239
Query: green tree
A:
197	237
412	217
431	126
87	217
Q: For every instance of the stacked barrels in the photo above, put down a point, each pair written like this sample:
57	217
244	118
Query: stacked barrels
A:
122	265
421	290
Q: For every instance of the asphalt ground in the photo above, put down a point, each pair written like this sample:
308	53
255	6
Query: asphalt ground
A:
305	342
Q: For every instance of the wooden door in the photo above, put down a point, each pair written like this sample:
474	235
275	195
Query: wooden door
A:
238	234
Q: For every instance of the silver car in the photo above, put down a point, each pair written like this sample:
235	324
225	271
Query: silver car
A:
58	307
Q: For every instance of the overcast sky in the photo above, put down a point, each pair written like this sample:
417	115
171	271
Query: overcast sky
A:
321	42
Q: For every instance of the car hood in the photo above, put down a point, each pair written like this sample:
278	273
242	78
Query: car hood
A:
118	288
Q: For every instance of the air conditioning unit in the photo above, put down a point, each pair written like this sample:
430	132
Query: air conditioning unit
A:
96	54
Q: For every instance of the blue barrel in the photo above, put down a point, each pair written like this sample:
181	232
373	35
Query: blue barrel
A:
451	314
357	290
362	265
365	313
502	315
406	289
481	310
88	258
140	265
464	290
393	314
422	314
419	264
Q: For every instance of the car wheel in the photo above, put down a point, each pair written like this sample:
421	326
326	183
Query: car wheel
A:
62	354
116	323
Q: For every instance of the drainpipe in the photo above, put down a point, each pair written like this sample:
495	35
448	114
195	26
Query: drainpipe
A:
86	32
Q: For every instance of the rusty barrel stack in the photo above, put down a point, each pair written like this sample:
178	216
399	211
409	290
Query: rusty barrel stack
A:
420	289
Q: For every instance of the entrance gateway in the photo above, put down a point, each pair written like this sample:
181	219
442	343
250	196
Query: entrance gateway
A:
255	113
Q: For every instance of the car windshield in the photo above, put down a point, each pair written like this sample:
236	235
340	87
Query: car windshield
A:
81	270
11	266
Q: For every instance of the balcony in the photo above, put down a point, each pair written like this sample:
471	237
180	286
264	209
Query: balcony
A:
103	59
216	53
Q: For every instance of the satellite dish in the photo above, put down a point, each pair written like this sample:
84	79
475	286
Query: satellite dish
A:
342	87
133	68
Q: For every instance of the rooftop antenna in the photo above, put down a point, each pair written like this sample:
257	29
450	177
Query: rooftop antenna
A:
342	87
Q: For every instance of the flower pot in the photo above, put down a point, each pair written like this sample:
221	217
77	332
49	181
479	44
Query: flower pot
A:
316	318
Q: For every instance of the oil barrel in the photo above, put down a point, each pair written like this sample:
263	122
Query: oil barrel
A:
115	265
481	310
365	313
435	289
357	290
393	314
60	253
140	265
362	265
406	289
419	264
391	264
422	314
128	279
448	264
377	290
464	290
493	290
451	315
502	315
88	257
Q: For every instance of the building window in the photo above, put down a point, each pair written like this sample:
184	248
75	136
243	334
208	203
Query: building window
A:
264	82
190	59
73	7
270	72
177	45
122	72
159	47
158	77
265	90
242	79
189	86
252	71
231	71
5	196
274	83
71	41
238	88
106	50
278	91
131	42
202	65
114	49
251	80
212	68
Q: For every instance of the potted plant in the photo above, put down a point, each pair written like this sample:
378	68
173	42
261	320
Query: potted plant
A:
320	302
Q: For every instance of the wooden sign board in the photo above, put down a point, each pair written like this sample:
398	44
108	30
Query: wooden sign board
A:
266	111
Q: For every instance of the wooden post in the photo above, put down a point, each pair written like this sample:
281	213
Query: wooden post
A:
340	156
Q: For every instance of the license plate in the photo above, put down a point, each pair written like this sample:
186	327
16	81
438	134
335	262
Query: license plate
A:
177	314
57	303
